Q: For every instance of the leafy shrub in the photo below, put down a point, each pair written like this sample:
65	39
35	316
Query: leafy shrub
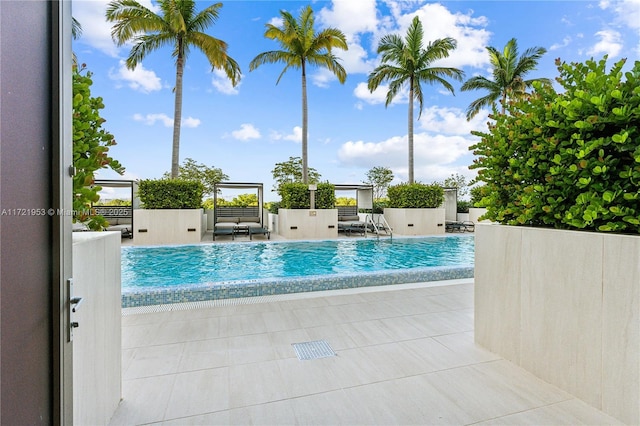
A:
170	194
415	196
477	194
296	195
463	206
91	144
208	204
569	160
380	204
272	206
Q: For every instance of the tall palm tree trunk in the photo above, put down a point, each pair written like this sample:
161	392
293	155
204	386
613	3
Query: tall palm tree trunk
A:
410	133
177	118
305	171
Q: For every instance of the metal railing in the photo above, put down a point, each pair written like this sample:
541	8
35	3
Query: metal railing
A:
377	226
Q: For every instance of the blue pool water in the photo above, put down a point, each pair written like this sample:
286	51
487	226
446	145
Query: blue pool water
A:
157	268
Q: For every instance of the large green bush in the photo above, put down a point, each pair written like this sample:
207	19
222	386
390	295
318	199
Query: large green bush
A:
170	194
296	195
415	196
91	144
477	193
569	160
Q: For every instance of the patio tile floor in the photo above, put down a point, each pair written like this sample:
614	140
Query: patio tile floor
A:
405	355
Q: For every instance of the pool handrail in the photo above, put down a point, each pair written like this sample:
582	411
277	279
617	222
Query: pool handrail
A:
380	225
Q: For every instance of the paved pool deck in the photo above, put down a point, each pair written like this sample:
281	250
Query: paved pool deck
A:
404	355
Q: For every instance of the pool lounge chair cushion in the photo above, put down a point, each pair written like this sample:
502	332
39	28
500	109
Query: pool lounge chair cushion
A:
250	221
354	218
227	220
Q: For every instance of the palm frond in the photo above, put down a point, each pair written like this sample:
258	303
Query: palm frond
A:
414	38
144	45
485	101
132	19
205	18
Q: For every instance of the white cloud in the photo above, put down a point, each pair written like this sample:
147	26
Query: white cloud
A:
360	20
628	12
151	119
604	4
610	43
190	122
295	135
351	17
139	79
246	132
379	96
276	21
451	121
445	140
322	77
467	30
565	43
222	84
96	31
434	155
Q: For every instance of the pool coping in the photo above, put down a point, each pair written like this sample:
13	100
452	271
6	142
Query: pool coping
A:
275	286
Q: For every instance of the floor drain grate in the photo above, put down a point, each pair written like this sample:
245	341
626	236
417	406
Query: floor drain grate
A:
313	350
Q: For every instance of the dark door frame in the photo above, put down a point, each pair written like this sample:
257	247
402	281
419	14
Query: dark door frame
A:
62	172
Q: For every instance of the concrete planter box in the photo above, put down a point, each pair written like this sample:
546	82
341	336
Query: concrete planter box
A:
564	305
462	217
171	226
416	221
97	342
210	219
272	223
308	224
475	213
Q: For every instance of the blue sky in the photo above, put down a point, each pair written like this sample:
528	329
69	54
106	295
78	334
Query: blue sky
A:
246	130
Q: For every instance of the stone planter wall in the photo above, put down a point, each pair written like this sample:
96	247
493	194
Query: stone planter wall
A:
171	226
416	221
97	342
475	213
462	217
564	305
308	224
272	223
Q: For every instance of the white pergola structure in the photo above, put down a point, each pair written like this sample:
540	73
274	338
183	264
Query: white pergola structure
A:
364	194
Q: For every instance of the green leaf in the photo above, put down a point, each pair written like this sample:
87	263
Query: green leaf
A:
620	137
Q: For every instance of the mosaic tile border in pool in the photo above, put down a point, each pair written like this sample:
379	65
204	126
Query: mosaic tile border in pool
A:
271	286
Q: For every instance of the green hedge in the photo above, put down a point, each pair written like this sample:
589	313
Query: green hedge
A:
170	194
463	206
568	160
415	196
296	195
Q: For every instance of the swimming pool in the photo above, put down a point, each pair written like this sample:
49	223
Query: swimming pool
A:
169	274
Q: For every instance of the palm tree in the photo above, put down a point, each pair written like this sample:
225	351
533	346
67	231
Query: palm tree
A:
406	62
302	45
178	26
508	76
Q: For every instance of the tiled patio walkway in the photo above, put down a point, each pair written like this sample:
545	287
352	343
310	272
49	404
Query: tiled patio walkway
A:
405	355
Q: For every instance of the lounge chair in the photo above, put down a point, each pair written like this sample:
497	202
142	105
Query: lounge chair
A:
349	224
225	226
458	226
